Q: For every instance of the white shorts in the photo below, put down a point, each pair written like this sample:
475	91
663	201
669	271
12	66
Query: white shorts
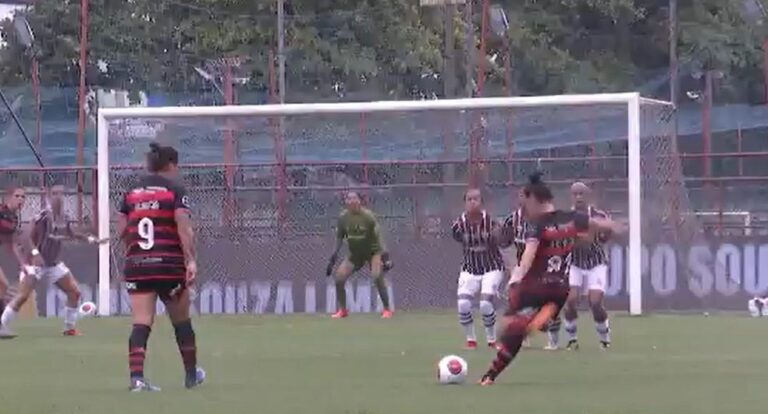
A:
486	284
51	273
589	279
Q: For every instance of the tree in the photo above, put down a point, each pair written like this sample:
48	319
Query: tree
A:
375	48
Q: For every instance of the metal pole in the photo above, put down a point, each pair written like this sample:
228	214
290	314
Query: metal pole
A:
281	48
674	97
35	72
674	69
469	60
706	127
81	103
229	143
17	121
483	57
279	149
765	69
449	60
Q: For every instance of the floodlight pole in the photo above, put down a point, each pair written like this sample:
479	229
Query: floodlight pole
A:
449	60
674	69
483	54
35	74
469	34
281	49
765	70
81	103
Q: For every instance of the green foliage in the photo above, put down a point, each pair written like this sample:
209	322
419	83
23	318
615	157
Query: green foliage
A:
381	47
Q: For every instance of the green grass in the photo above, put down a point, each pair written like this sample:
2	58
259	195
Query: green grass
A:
303	364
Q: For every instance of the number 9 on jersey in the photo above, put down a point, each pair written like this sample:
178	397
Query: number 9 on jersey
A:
146	230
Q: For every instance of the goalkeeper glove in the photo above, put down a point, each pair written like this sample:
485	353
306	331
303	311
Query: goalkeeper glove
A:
331	264
386	262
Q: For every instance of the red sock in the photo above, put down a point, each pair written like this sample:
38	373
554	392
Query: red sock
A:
185	339
137	350
511	340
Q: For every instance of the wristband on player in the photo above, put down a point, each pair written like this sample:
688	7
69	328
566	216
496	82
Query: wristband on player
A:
91	239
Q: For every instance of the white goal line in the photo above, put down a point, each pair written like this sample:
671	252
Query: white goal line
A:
379	106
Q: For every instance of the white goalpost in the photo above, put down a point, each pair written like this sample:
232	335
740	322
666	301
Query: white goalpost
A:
646	168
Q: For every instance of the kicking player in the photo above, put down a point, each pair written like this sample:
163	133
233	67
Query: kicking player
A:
513	234
482	269
10	236
543	288
155	225
358	226
47	231
589	273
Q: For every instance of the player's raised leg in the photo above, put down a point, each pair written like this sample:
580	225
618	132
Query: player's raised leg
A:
488	291
64	280
529	311
343	272
142	316
468	287
598	278
178	311
27	283
377	274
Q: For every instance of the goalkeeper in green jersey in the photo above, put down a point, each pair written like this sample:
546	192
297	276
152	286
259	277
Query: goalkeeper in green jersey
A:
358	226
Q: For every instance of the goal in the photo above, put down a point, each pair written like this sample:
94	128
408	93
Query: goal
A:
265	183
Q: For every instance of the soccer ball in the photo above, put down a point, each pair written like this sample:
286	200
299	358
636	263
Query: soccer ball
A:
452	369
87	309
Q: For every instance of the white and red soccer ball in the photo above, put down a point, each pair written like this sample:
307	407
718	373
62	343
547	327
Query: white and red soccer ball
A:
452	369
87	309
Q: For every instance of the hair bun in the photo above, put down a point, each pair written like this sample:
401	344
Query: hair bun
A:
535	178
154	147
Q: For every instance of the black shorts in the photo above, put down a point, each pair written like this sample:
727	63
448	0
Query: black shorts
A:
164	288
531	294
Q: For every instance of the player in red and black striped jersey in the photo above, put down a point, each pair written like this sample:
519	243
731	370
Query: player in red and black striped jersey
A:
156	228
543	271
11	238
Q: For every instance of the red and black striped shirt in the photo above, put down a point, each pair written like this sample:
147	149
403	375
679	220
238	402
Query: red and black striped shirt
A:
481	252
556	233
153	246
9	221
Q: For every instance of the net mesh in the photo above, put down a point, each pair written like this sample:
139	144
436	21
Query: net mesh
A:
267	191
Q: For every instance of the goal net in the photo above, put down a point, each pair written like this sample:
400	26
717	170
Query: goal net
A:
265	183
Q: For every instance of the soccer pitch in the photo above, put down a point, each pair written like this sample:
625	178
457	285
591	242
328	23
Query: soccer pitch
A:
312	364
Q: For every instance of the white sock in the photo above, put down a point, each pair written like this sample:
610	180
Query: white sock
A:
553	332
464	307
570	329
489	320
8	316
763	306
603	330
70	317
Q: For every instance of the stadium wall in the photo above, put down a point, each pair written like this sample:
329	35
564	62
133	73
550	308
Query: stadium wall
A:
287	277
